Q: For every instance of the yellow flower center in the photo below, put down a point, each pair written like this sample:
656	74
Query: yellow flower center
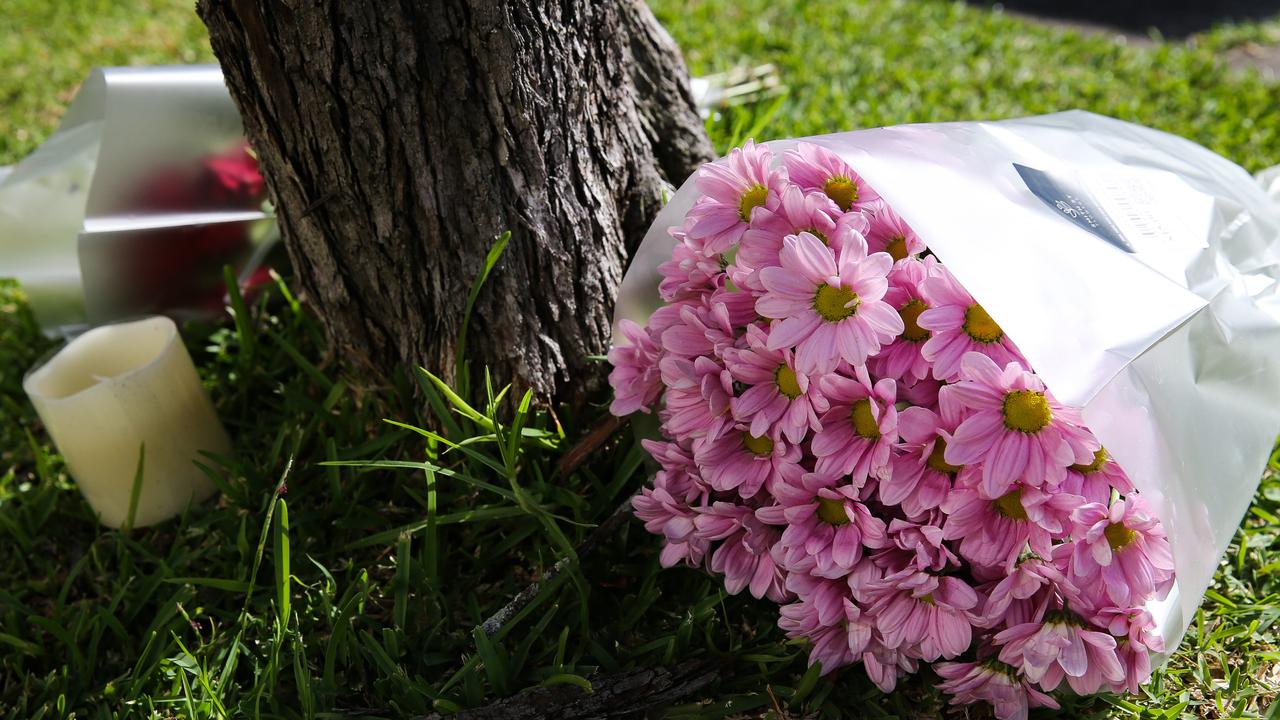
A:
1026	411
864	422
927	599
1118	536
980	326
842	190
753	198
788	384
910	314
897	247
832	511
835	303
759	446
937	459
1010	505
1100	460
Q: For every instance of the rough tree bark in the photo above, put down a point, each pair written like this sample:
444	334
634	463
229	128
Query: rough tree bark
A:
400	138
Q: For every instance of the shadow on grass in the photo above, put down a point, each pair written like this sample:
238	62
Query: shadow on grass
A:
1172	18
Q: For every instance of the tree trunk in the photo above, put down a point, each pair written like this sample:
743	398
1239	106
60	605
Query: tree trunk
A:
398	139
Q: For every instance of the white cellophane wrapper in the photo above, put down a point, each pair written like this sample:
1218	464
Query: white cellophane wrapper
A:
70	229
1135	270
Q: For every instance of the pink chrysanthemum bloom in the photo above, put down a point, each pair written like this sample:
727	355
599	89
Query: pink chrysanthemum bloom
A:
1095	480
779	396
994	533
859	430
703	329
920	477
1135	623
798	212
679	474
1138	638
696	403
733	308
1136	661
827	526
890	233
1125	545
1023	595
924	543
673	519
1016	429
958	325
923	393
635	378
731	192
923	615
823	596
1010	695
884	665
813	167
690	272
833	645
828	305
744	556
901	359
740	461
1062	646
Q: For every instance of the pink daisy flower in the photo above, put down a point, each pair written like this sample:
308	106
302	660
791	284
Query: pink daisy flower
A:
833	645
1095	481
635	378
697	401
859	430
1135	624
678	474
703	329
673	519
994	533
1138	638
734	309
884	665
924	615
923	393
731	190
1023	595
1061	647
738	460
827	526
924	543
1136	661
920	476
779	396
828	306
1010	694
1016	429
958	325
1125	546
902	358
823	596
890	233
744	556
690	272
813	167
798	212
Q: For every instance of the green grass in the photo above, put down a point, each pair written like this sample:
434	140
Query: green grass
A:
349	560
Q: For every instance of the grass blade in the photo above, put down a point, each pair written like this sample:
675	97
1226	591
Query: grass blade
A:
281	556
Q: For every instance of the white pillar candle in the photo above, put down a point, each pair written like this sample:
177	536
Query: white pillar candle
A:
112	391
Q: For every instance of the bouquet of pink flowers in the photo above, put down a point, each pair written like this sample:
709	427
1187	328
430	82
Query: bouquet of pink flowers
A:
849	434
